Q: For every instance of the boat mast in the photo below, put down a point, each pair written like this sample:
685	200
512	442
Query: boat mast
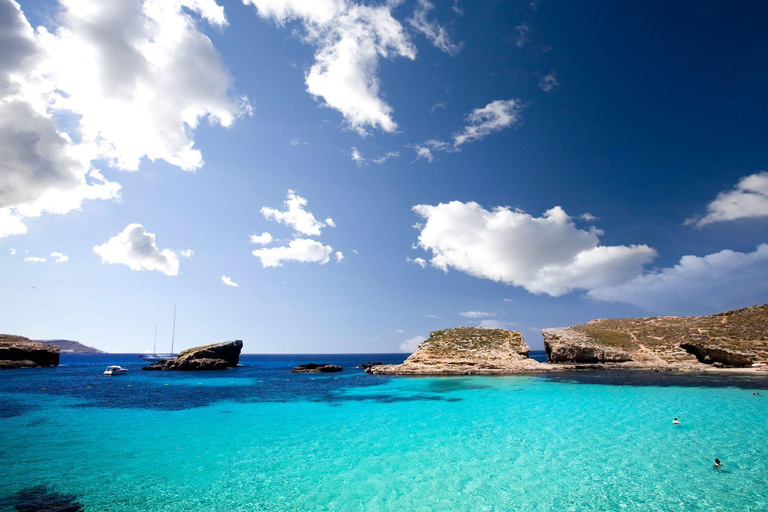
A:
154	347
173	335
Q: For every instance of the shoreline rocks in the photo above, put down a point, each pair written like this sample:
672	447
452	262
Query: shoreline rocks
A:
218	356
317	368
732	341
21	352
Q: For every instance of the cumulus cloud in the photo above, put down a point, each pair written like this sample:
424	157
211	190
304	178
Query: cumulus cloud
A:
12	251
411	344
697	285
350	39
295	216
229	282
262	239
356	156
187	253
133	79
136	248
481	122
748	200
546	254
302	250
476	314
339	256
34	259
548	82
59	257
436	33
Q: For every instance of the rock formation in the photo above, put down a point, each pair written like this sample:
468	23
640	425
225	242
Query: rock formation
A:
317	368
467	351
218	356
732	339
21	352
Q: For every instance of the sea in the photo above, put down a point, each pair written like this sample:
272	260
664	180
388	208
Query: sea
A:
260	438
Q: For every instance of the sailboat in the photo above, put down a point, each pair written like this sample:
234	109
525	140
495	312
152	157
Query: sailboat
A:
154	356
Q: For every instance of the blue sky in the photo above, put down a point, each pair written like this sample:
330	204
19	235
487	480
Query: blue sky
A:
510	164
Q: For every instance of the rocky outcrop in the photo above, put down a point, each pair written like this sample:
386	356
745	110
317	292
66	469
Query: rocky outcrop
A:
317	368
218	356
467	351
21	352
367	365
731	339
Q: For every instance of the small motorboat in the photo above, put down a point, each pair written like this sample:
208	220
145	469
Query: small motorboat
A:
115	370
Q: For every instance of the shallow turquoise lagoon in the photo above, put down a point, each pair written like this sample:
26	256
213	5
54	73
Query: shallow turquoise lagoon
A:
259	438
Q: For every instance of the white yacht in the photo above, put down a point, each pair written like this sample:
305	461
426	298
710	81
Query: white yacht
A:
115	370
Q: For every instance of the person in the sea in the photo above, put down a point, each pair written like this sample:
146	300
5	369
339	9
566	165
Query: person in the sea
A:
718	464
676	421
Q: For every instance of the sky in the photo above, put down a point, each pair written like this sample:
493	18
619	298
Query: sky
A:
330	176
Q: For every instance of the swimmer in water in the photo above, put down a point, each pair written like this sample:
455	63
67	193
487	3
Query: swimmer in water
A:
717	463
675	421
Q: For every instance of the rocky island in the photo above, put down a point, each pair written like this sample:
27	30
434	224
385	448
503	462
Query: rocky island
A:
21	352
731	340
467	351
71	347
317	368
218	356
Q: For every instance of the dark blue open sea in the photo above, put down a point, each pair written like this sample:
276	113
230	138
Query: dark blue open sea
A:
259	438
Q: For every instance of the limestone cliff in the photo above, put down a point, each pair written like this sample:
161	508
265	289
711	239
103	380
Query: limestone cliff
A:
218	356
732	339
467	351
21	352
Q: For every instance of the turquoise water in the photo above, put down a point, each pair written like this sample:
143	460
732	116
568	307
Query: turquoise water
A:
259	438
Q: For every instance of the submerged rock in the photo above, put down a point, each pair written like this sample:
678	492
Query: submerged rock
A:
218	356
21	352
736	338
317	368
41	499
467	351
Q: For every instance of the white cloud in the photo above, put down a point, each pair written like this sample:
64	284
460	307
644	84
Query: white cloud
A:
494	117
356	156
302	250
496	324
476	314
399	331
187	253
59	257
131	79
522	34
411	344
339	256
385	157
548	82
697	285
136	248
588	217
350	38
229	282
436	33
481	122
508	300
436	106
34	259
262	239
12	251
546	254
417	261
434	317
296	142
296	216
748	200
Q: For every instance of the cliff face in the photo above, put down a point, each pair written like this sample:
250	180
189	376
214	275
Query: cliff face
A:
218	356
466	351
21	352
733	339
